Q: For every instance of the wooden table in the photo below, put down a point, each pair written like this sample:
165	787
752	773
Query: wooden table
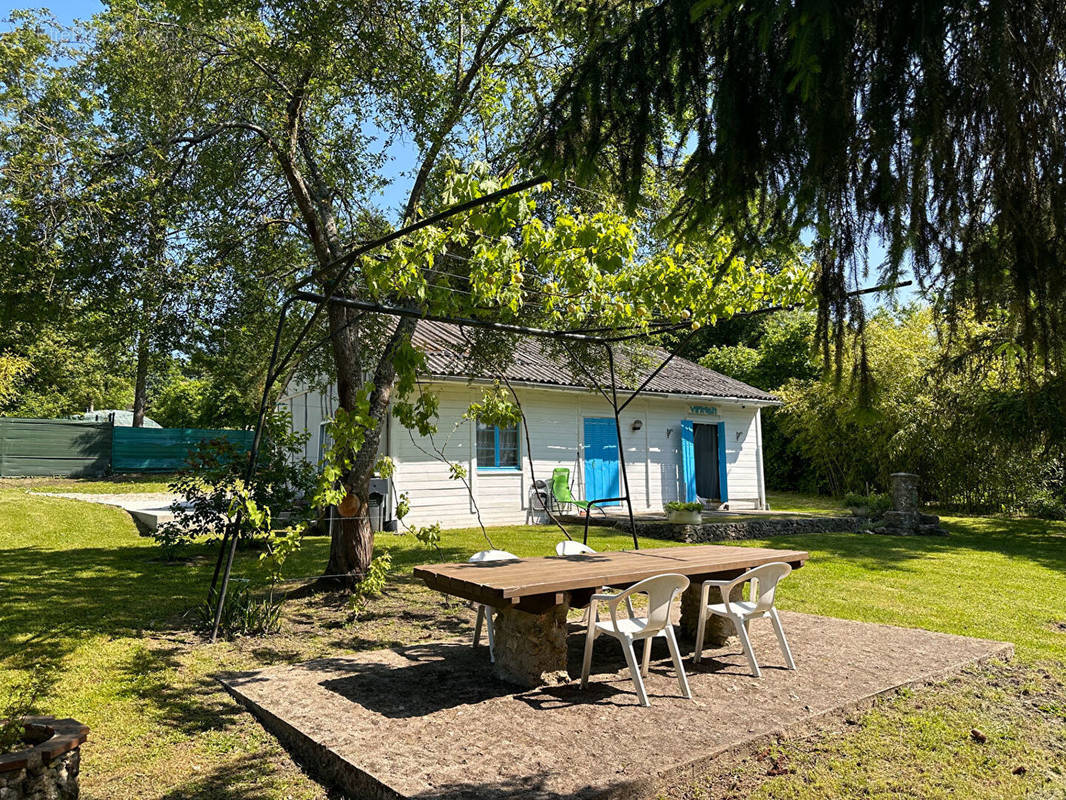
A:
532	595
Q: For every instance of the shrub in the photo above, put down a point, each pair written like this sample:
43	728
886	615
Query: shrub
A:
214	480
243	614
1046	505
677	505
372	584
876	503
22	701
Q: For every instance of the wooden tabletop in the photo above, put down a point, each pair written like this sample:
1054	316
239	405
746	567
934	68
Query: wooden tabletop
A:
532	583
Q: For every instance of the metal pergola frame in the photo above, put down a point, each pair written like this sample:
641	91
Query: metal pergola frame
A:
279	363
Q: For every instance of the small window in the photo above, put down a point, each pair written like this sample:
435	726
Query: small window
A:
497	448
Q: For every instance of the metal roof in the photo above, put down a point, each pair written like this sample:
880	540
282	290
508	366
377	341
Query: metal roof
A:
122	417
447	349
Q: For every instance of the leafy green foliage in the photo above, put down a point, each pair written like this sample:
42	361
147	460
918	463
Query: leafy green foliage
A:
875	503
22	700
347	432
933	126
1046	504
768	351
13	370
403	506
496	407
776	349
585	268
372	584
281	545
934	407
244	613
68	372
429	535
677	505
211	395
215	492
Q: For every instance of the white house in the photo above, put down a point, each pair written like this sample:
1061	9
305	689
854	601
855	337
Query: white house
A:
692	433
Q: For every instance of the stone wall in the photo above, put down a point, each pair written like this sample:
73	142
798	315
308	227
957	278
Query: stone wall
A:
748	529
531	648
48	769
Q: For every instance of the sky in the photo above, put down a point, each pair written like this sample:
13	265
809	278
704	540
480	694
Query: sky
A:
66	11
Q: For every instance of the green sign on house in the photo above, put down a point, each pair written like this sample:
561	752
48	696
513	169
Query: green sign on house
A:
707	411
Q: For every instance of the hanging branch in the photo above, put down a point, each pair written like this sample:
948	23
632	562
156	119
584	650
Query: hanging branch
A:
438	453
529	454
525	430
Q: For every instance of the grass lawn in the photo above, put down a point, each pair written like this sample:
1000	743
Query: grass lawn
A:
808	504
83	591
153	482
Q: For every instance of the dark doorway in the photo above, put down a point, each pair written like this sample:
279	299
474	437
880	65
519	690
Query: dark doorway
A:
705	444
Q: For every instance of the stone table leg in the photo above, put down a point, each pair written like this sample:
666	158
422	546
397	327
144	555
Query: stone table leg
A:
531	648
718	629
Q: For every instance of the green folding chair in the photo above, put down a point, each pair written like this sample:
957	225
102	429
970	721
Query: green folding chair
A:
562	495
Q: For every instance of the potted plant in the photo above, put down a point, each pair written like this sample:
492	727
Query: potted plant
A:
684	513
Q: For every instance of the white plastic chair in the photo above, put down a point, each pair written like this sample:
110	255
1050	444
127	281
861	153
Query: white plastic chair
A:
661	591
760	603
486	613
568	547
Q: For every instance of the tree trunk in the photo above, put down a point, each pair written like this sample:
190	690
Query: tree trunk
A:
351	544
140	391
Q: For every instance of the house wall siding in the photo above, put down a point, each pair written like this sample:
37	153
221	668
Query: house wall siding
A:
555	422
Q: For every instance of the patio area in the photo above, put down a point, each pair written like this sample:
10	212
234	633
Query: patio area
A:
433	720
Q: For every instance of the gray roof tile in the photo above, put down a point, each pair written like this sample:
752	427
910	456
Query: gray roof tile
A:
446	351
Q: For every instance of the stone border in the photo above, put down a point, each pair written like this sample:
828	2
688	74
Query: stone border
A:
747	529
59	736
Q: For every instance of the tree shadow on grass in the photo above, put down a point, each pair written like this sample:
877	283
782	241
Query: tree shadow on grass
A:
53	598
149	675
244	778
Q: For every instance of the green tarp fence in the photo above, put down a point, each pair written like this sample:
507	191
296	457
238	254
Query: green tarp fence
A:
44	447
165	449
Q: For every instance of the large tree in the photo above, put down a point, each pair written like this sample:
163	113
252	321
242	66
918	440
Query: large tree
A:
304	103
939	128
308	100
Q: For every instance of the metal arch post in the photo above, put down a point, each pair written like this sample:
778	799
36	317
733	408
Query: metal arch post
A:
232	529
621	449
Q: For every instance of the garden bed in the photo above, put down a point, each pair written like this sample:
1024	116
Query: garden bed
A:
48	766
738	530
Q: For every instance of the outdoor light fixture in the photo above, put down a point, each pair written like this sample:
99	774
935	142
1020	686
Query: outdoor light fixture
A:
668	432
637	425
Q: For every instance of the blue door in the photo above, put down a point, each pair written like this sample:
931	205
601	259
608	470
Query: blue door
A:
703	461
601	459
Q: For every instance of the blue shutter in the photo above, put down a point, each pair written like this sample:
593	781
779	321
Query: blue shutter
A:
722	463
688	460
601	459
